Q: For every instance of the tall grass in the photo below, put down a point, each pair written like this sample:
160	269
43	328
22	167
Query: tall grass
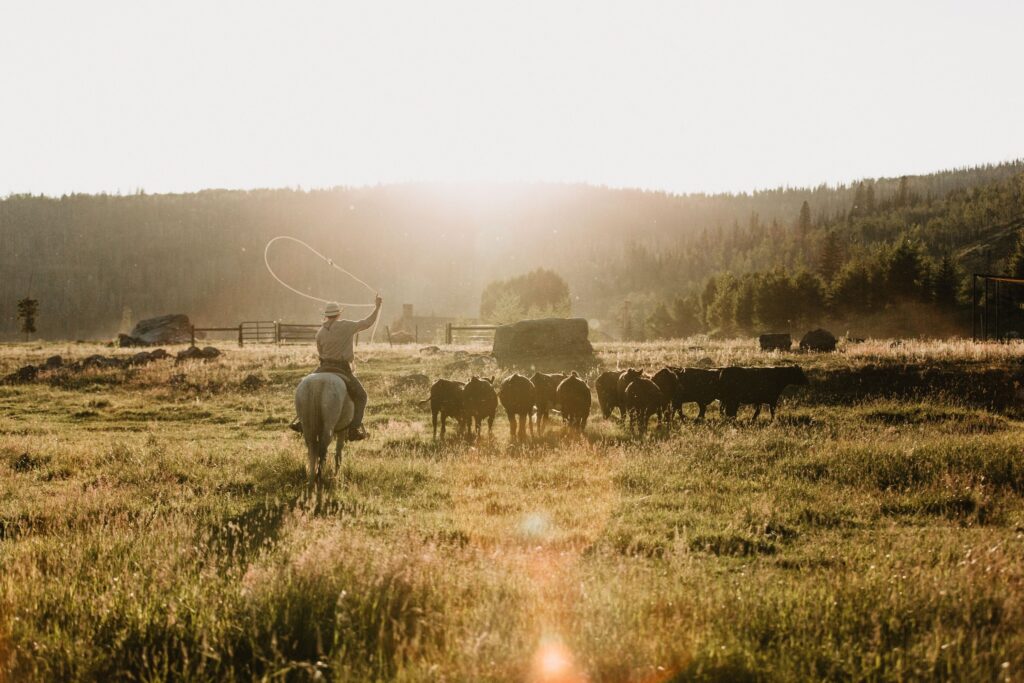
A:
153	527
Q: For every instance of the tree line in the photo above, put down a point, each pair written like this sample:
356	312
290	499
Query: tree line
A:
864	267
98	262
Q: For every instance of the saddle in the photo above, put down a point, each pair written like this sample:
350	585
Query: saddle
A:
334	370
341	369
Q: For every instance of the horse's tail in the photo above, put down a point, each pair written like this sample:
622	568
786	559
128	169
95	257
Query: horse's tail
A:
308	406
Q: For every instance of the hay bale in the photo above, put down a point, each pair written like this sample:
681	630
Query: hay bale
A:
774	341
546	338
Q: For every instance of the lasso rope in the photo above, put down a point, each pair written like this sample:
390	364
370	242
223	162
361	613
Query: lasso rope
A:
328	261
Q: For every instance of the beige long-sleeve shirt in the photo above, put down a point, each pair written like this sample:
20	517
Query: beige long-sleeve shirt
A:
335	338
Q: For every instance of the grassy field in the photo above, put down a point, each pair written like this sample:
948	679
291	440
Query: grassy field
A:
152	527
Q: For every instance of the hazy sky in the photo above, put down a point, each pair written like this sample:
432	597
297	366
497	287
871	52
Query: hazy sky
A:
684	96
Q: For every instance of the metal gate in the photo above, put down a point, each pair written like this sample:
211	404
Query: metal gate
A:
293	332
257	332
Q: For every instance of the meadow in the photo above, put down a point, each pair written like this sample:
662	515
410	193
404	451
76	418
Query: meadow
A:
153	527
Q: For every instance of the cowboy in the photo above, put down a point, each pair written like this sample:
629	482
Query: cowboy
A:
336	348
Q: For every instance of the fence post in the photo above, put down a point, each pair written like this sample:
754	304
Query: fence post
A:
448	333
277	333
974	307
192	331
416	334
240	340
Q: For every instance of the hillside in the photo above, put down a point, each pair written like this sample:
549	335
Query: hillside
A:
94	261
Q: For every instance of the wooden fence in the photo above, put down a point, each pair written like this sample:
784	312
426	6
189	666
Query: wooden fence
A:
264	332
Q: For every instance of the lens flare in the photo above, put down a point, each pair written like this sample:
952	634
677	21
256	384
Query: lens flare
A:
535	526
553	663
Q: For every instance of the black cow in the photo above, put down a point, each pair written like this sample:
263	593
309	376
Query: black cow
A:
445	400
642	401
625	379
517	398
479	401
756	386
545	387
607	387
695	385
573	396
668	382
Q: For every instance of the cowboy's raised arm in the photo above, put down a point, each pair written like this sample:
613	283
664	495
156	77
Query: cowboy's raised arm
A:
367	322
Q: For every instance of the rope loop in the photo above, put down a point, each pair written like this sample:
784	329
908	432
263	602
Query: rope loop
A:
328	261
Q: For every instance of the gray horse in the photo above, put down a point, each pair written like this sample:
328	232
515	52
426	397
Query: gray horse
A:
325	409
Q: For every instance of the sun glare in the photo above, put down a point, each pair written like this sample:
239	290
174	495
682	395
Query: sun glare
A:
553	663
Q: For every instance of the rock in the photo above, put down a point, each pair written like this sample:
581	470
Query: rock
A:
705	362
167	329
818	340
191	353
252	383
401	337
124	341
430	350
195	353
53	363
146	357
775	342
457	366
210	352
140	358
542	339
98	361
26	373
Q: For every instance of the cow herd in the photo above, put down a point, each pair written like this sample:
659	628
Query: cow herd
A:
529	402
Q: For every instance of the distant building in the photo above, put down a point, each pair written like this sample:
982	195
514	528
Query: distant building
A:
425	329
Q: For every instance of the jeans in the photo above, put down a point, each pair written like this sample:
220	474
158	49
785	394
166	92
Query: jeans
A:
359	399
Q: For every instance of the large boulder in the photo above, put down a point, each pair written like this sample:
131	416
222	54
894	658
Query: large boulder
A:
401	337
818	340
167	329
544	339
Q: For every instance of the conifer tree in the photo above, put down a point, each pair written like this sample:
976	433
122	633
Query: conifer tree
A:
946	283
869	199
903	193
831	258
804	221
1017	258
905	270
27	310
